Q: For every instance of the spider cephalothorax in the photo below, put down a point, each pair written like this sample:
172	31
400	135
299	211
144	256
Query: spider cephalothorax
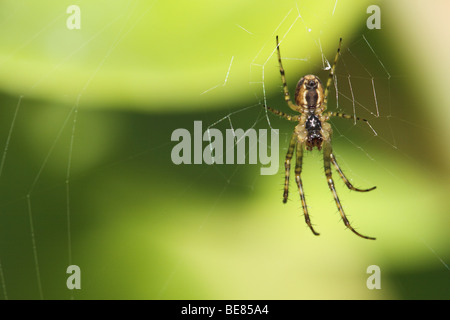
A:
309	93
313	131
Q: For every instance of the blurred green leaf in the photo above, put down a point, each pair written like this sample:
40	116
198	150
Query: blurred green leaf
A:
162	55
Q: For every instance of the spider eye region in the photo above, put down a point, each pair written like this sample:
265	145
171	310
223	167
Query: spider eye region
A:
311	84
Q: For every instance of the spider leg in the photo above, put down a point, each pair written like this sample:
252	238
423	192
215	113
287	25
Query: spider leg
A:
345	116
287	97
283	115
346	181
287	166
327	151
330	76
298	171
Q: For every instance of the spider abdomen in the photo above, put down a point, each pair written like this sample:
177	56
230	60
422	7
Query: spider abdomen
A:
313	128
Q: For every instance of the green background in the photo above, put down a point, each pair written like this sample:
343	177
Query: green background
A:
85	137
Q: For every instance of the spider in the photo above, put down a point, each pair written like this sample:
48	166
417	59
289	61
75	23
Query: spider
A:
313	131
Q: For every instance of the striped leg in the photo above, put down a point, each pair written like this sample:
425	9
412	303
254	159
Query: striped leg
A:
298	171
287	166
327	151
331	76
345	116
287	97
346	181
283	115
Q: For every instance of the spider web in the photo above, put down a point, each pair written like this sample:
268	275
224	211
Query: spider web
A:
357	84
66	131
347	83
356	91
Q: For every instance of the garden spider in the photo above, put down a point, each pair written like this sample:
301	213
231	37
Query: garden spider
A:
312	131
